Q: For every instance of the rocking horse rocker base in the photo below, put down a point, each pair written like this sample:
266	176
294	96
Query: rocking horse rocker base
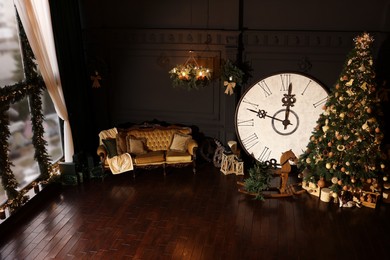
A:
283	190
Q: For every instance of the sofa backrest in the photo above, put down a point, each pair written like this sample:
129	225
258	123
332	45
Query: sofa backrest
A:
158	137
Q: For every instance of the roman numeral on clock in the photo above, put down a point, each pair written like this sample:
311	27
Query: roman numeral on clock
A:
307	85
286	79
266	90
264	155
249	122
253	105
320	102
250	141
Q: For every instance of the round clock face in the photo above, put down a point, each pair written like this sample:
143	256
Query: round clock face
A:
279	113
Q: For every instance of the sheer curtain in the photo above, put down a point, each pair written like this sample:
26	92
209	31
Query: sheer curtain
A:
36	20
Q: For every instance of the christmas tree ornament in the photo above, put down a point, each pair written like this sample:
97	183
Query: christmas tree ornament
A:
321	183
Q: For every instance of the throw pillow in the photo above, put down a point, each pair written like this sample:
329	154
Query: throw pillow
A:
136	145
110	144
121	143
179	142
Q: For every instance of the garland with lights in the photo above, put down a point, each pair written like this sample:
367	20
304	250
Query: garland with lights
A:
31	87
232	75
190	75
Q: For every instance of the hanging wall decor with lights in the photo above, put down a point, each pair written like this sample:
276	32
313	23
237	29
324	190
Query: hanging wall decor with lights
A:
231	75
190	75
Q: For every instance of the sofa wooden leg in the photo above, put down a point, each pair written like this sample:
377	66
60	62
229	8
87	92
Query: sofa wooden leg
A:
194	167
164	169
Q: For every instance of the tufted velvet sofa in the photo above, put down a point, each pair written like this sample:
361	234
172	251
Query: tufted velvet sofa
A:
150	146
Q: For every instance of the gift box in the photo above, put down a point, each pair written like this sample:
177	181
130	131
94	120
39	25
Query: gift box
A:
369	199
69	176
311	188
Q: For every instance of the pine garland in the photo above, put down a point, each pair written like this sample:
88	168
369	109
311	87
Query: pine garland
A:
31	87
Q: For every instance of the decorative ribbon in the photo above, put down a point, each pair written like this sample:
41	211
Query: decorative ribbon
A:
229	87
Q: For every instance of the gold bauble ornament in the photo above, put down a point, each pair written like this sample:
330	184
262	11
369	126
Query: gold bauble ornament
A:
325	128
328	165
385	178
365	126
371	120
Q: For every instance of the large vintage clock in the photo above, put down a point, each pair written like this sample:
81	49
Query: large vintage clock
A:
279	113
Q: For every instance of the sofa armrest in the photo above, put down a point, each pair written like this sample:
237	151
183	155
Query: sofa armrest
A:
102	152
192	146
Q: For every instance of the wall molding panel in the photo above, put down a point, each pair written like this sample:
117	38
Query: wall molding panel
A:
139	88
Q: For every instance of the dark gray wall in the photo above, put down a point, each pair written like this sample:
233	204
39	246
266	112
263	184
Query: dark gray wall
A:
136	43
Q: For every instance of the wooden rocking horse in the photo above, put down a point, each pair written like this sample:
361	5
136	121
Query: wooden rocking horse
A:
286	159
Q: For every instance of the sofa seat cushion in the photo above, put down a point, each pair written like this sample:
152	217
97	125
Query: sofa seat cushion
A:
177	157
153	157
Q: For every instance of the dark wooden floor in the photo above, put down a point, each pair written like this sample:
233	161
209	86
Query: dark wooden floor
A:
186	216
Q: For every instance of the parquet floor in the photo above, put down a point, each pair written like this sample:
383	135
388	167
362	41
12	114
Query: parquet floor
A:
186	216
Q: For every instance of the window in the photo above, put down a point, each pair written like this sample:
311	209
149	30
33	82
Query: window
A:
21	149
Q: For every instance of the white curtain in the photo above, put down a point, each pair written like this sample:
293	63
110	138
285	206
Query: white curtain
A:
36	20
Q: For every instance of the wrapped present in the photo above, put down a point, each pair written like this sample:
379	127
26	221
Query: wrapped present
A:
311	188
369	199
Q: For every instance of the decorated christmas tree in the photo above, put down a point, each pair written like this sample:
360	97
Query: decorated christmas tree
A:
345	147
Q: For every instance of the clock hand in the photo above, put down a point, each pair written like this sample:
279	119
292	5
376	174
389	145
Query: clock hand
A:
262	114
288	101
286	122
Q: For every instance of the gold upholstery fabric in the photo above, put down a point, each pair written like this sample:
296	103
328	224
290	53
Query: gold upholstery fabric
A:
154	157
158	138
177	157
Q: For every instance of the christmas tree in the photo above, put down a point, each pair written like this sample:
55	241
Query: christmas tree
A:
345	146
